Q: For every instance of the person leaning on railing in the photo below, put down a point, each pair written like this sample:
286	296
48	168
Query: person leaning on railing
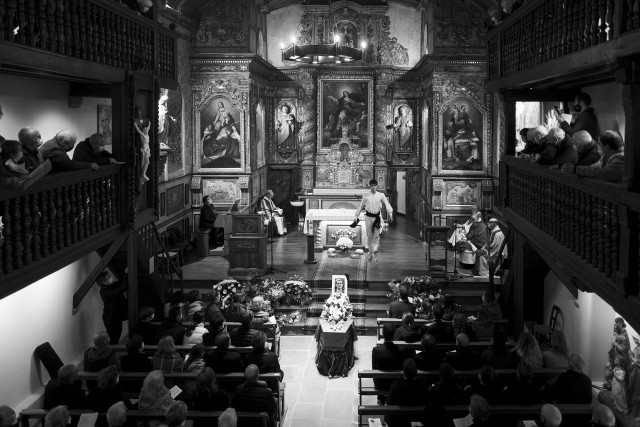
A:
56	151
612	166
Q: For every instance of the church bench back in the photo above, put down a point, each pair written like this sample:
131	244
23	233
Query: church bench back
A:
449	346
381	321
182	349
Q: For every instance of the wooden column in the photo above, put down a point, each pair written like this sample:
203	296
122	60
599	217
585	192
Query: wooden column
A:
509	127
628	74
132	277
518	283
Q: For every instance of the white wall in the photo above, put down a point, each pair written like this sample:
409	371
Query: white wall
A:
606	100
43	103
39	313
406	27
282	24
588	324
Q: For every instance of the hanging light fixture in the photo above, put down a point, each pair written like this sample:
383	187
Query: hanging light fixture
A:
336	53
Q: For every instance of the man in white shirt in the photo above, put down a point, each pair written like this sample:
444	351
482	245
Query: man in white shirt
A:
372	204
273	213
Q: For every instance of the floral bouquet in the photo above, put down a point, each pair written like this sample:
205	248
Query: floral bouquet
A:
296	291
226	288
287	319
344	237
344	243
336	310
266	287
423	292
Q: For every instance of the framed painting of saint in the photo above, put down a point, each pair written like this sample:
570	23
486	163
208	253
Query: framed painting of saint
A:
260	133
464	148
220	138
285	126
403	129
345	109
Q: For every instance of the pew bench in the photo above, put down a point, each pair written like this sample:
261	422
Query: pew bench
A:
182	349
507	414
381	321
448	346
28	415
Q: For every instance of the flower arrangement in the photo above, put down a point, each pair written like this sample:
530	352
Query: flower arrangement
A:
344	243
337	309
226	288
266	287
344	237
287	319
423	292
296	291
259	305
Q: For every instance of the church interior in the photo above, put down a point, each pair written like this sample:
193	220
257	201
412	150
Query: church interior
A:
275	117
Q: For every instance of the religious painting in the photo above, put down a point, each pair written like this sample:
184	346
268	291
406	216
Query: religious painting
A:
463	130
170	128
346	34
403	130
345	109
461	194
260	134
221	138
426	143
175	200
104	123
223	191
285	126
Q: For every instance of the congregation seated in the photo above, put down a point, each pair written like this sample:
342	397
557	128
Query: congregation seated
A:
497	355
611	167
480	412
550	416
194	361
135	360
603	416
166	358
407	331
463	358
254	396
55	150
57	417
193	333
221	359
100	355
208	396
486	385
265	360
108	390
172	325
214	318
176	299
242	336
488	312
428	359
398	308
117	416
573	386
557	356
154	395
523	391
442	332
407	392
31	141
176	415
194	304
12	159
446	390
460	325
65	390
387	357
235	309
582	150
526	350
144	327
550	145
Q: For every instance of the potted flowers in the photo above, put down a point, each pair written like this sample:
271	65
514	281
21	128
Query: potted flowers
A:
226	288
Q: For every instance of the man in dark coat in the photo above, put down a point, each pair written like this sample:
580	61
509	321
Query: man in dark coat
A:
398	308
115	305
429	359
441	331
56	151
65	390
242	336
584	120
100	355
172	325
92	150
387	357
587	149
463	358
254	396
573	386
208	217
144	328
31	141
221	359
406	392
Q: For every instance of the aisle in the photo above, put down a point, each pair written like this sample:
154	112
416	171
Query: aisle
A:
313	400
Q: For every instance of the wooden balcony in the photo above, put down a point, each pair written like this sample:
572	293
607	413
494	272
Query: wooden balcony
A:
549	41
98	32
58	220
585	229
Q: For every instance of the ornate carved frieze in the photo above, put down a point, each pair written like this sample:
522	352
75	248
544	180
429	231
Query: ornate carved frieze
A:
215	68
457	24
223	26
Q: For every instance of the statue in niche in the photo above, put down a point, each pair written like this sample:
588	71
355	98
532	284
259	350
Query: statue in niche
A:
285	128
403	129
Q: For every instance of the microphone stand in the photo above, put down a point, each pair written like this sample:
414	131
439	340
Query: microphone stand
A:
271	268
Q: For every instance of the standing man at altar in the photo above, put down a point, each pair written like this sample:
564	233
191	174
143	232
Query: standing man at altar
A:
273	213
372	204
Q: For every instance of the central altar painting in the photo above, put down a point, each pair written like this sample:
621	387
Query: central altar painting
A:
345	105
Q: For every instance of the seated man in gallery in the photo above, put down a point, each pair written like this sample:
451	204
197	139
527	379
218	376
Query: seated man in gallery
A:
92	150
56	150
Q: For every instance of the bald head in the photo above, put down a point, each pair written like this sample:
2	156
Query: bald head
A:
97	140
555	135
66	139
550	416
30	138
251	374
603	416
101	339
580	139
537	133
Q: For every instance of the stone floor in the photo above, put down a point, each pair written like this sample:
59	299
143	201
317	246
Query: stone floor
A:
313	400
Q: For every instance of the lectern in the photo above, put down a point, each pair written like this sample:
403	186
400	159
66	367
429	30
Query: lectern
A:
248	245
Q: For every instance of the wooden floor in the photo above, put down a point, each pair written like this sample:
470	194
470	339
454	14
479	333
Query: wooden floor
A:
402	253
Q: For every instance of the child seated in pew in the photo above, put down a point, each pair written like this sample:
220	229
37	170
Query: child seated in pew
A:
407	331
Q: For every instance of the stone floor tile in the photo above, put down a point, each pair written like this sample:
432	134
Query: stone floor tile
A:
338	405
307	415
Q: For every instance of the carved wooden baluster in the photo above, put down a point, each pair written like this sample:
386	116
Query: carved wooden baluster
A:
610	19
31	22
35	227
587	219
604	234
99	206
75	29
41	20
582	19
575	32
16	233
602	21
59	25
583	229
100	27
596	226
81	41
108	38
12	8
615	244
3	28
126	44
88	208
68	208
595	22
45	224
81	214
569	205
113	204
52	35
562	40
571	25
7	255
57	227
636	14
90	13
68	42
588	22
548	36
22	22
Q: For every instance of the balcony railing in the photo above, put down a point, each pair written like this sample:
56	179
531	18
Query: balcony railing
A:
543	30
592	220
103	32
58	214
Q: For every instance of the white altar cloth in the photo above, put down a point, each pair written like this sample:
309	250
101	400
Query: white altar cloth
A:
314	215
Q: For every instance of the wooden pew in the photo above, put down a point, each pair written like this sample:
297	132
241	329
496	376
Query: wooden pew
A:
226	381
39	414
449	346
182	349
506	413
381	321
464	377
